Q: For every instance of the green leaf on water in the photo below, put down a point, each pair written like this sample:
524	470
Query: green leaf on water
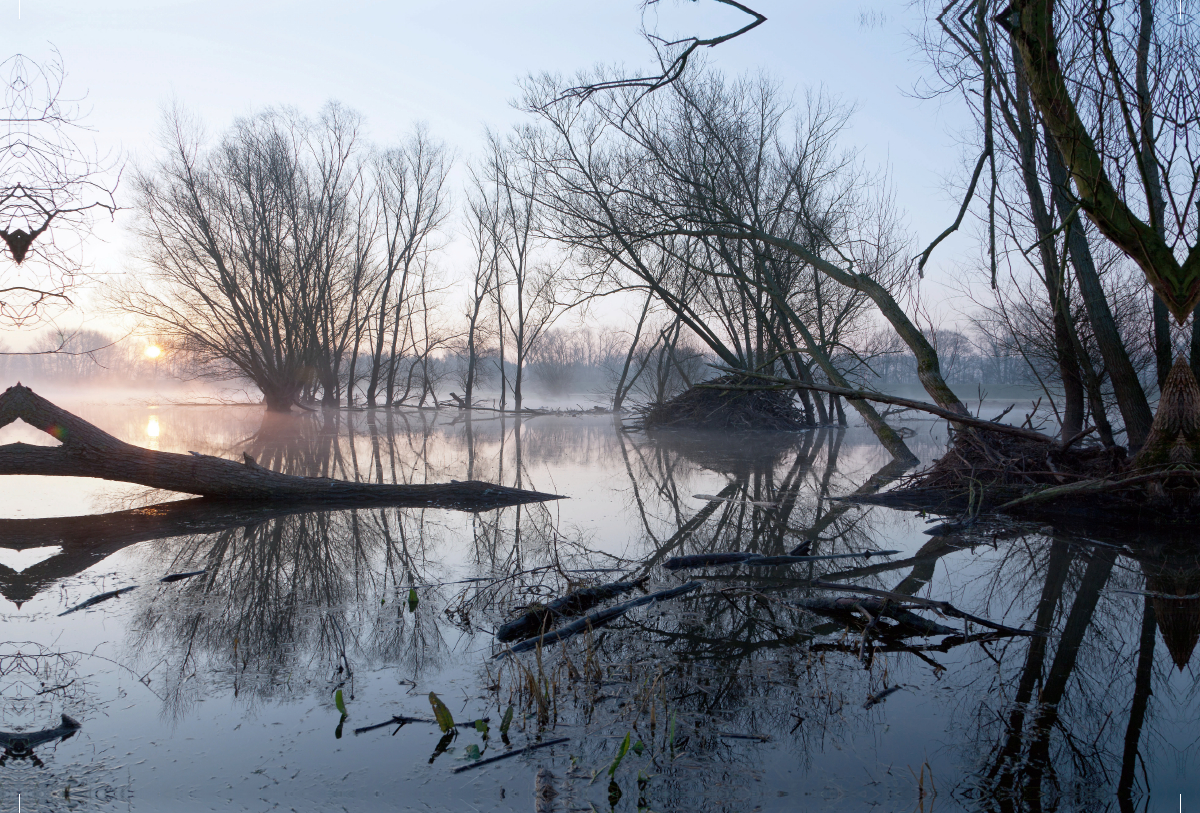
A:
339	702
481	726
638	747
472	751
412	599
507	720
444	719
337	732
621	752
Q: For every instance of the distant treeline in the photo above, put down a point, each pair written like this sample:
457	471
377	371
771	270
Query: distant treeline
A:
583	364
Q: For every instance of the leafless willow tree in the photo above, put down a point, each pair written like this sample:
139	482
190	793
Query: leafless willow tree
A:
289	249
247	242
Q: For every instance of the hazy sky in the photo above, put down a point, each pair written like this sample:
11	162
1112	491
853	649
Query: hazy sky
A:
454	64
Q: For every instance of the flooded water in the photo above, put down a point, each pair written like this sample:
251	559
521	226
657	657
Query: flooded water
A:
295	672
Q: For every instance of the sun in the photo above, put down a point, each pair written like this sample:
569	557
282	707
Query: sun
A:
153	351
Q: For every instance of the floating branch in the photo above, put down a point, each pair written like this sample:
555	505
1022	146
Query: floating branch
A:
598	619
403	720
94	600
539	618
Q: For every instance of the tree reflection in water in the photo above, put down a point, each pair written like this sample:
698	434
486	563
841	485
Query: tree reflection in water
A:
299	604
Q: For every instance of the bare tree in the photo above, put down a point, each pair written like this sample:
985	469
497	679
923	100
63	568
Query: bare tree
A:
695	194
526	272
412	206
50	188
246	241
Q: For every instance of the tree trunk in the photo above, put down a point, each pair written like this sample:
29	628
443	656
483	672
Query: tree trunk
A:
888	436
279	399
928	367
87	451
1131	398
1052	273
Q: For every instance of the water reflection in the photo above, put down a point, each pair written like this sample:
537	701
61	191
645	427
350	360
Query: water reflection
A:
757	684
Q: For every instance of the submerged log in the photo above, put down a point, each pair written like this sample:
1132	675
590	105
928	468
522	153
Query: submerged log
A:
88	451
539	618
598	619
844	609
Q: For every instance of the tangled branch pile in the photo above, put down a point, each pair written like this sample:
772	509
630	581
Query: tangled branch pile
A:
712	405
994	467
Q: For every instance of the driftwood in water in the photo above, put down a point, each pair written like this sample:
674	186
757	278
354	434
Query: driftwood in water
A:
843	609
759	560
87	451
944	607
599	618
20	744
94	600
876	699
539	618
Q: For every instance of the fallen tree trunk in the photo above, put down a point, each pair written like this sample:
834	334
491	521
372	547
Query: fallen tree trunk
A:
88	451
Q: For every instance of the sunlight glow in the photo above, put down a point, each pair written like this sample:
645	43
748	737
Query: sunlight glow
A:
153	351
152	426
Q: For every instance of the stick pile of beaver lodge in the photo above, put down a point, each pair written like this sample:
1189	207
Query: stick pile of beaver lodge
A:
992	466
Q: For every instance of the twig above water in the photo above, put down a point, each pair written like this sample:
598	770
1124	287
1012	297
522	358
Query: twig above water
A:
518	752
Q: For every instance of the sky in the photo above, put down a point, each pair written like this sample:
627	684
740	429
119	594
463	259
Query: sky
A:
453	64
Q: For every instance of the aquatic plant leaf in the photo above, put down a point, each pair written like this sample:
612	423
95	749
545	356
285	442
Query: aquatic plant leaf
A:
445	720
481	726
616	763
638	747
472	751
337	732
412	599
340	702
507	720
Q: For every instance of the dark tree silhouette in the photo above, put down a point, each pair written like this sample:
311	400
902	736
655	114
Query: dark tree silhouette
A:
50	187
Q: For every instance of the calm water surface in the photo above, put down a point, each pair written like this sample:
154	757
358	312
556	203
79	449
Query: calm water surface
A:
218	691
